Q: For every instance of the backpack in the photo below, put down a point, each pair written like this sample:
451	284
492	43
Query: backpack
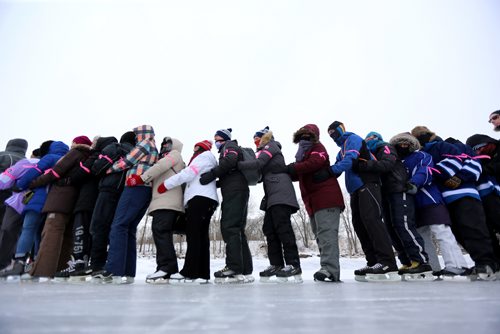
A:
253	176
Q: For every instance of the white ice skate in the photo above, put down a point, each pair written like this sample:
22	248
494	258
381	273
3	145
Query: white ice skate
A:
158	277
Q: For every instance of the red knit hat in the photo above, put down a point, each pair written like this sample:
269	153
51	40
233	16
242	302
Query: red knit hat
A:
82	140
205	145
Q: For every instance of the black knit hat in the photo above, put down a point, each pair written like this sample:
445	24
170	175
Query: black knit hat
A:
44	148
477	141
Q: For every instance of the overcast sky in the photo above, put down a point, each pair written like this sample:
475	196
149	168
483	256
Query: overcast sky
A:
188	68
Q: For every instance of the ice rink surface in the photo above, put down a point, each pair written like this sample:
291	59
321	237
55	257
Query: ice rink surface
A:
311	307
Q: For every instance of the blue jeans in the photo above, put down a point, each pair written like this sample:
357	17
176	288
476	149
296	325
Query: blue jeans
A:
30	234
122	253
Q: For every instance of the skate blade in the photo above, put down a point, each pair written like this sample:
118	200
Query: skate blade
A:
268	280
229	280
285	280
13	279
198	281
159	281
78	279
420	277
457	278
388	277
360	278
60	279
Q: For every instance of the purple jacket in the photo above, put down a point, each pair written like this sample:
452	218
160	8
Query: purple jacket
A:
8	179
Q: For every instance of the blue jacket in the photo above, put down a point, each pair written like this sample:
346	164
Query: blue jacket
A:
420	166
450	161
56	151
352	147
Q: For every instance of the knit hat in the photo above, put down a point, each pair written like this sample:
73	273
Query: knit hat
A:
374	134
206	145
262	132
36	153
82	140
477	141
128	137
339	129
224	133
423	134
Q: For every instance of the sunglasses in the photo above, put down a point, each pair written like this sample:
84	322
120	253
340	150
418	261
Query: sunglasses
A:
493	118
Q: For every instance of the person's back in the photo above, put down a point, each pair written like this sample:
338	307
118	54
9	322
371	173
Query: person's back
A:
14	151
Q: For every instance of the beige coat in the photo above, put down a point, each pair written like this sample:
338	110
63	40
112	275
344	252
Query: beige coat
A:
166	167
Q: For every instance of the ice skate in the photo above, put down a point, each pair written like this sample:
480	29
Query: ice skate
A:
63	275
13	272
102	276
81	272
324	275
456	274
360	274
228	276
416	272
287	272
268	275
178	278
158	277
249	278
382	273
484	273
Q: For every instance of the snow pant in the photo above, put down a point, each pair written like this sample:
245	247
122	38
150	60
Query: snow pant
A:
122	253
469	227
325	226
4	194
56	246
10	230
199	211
163	236
102	217
368	223
399	214
491	205
233	221
31	234
82	240
281	244
450	251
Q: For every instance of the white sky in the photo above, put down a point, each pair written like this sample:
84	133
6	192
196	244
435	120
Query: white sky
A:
188	68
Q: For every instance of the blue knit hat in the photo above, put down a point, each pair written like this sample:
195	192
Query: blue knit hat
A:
224	133
375	134
262	132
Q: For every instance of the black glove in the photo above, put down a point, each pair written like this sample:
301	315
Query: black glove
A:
207	177
453	182
410	188
323	175
15	188
66	181
290	169
358	165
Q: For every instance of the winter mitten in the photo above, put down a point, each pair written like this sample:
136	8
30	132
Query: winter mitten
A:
134	180
207	177
162	189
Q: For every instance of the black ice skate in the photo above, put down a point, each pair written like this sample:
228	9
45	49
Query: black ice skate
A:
456	274
229	276
266	276
416	272
324	275
382	273
484	273
14	271
158	277
63	275
81	271
102	276
287	272
360	274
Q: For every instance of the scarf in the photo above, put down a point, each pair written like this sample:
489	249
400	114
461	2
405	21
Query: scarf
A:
304	146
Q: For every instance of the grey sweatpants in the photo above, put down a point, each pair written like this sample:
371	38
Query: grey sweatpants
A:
325	226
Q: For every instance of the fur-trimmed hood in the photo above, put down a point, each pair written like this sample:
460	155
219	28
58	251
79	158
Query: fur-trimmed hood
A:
311	129
266	138
421	131
406	138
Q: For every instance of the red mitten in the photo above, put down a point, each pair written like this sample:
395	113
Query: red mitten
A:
134	180
162	189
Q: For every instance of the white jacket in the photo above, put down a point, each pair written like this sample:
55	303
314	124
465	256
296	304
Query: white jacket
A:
191	176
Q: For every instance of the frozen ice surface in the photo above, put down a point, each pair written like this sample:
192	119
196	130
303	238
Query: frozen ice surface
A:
311	307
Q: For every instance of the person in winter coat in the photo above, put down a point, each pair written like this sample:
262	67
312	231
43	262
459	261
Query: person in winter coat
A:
235	195
366	204
110	188
200	202
50	152
431	215
87	182
12	223
56	244
487	146
134	201
398	204
279	203
164	207
456	177
14	151
322	198
495	120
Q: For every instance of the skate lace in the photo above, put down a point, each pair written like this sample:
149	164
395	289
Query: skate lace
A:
271	267
70	268
288	268
377	266
226	268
